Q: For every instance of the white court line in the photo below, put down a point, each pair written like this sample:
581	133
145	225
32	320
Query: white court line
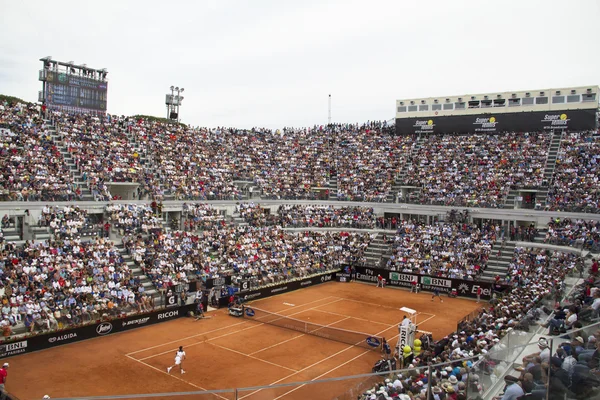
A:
379	305
215	330
331	370
426	319
296	337
174	376
371	304
204	341
318	362
185	338
360	319
277	344
255	358
227	334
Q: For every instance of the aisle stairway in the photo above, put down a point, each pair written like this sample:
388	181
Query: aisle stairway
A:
377	251
149	288
498	264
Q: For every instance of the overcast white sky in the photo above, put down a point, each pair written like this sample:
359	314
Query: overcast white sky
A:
273	62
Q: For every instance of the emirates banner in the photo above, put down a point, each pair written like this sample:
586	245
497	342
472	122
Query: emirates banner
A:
534	121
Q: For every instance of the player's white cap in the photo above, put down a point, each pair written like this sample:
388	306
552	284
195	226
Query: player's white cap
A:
46	397
5	365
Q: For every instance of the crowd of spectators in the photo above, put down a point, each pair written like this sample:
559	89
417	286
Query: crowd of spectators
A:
292	163
133	218
451	250
64	222
66	282
576	186
265	255
540	272
32	168
199	216
368	162
303	215
477	170
574	232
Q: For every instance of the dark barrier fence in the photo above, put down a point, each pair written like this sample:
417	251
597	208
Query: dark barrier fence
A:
98	329
285	287
490	122
428	283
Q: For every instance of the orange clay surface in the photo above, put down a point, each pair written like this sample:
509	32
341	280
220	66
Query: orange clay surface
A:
228	352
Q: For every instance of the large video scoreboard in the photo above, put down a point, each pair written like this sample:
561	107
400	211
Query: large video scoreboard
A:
73	88
76	91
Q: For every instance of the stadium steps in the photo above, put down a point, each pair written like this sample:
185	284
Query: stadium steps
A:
376	250
401	177
149	288
333	187
238	220
11	234
498	264
77	177
40	233
396	187
510	199
540	236
552	156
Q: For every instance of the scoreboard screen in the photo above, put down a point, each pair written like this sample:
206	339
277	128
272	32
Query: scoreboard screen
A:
65	90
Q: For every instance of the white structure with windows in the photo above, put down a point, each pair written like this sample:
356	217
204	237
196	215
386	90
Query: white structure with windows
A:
573	98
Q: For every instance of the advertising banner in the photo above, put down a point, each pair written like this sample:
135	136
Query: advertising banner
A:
286	287
343	276
534	121
171	300
463	287
218	282
406	336
104	328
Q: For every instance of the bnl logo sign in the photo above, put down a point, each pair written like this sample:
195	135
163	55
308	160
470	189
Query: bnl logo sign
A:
428	280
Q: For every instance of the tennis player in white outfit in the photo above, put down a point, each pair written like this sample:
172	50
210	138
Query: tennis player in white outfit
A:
179	358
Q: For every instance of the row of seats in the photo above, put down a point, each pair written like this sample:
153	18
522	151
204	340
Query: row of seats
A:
347	162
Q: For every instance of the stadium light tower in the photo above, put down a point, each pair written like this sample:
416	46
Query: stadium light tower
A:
173	101
329	115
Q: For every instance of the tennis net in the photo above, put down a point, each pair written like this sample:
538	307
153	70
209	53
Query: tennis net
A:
360	339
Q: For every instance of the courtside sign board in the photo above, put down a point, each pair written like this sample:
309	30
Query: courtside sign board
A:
98	329
463	287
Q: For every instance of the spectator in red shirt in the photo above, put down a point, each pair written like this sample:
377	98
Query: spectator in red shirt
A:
3	376
594	268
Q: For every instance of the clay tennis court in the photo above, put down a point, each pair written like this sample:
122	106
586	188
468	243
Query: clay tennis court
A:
227	352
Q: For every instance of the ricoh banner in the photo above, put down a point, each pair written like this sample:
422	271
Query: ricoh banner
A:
535	121
406	336
463	287
97	329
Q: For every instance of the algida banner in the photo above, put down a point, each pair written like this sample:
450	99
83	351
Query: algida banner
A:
104	328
